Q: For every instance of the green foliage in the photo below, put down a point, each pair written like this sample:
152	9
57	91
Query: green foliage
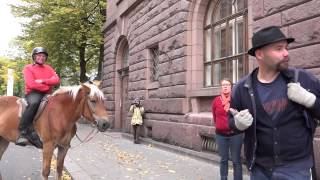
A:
17	66
69	29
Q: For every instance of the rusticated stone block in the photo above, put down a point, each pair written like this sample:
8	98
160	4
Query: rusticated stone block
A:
108	82
316	72
110	106
274	6
138	58
109	97
204	119
136	86
170	106
173	79
184	135
153	93
175	42
137	66
108	75
137	94
109	68
275	19
298	13
306	32
309	54
137	75
178	91
257	9
174	66
107	90
165	117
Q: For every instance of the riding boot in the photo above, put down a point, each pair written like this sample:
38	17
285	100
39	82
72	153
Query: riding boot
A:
22	140
35	139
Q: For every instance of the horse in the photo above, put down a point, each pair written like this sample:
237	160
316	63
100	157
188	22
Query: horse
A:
56	125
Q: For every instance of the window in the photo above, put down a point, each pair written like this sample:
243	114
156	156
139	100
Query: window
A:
225	37
124	63
154	64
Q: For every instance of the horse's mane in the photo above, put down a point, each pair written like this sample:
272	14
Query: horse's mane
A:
74	90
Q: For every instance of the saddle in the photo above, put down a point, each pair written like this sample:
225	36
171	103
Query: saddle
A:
33	137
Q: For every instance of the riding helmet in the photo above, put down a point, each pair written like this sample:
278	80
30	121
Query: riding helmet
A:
38	50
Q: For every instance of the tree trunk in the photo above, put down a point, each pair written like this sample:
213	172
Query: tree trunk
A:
83	63
99	75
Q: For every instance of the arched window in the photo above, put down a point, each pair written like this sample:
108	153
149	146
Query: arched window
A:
125	62
225	37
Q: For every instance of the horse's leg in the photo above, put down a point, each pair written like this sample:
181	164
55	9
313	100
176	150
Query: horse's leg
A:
3	146
48	148
62	152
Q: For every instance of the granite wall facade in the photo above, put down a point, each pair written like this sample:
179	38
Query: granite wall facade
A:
177	105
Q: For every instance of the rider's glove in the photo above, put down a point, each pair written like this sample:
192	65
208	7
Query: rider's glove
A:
242	119
300	95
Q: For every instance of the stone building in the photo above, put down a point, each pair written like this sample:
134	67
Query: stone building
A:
172	54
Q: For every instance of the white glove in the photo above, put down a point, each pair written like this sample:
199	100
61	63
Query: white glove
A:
300	95
242	119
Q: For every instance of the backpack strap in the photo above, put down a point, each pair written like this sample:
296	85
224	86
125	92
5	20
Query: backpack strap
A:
296	75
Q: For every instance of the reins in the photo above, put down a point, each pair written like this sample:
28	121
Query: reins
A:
90	136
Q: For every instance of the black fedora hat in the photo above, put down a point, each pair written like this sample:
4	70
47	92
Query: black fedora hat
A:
267	36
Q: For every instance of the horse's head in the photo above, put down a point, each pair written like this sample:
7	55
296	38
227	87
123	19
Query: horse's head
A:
93	107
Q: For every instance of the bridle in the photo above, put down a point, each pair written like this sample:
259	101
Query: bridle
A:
92	134
91	109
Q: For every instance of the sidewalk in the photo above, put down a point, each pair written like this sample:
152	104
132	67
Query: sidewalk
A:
113	156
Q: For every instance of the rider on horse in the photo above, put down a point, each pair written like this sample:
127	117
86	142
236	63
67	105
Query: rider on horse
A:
39	80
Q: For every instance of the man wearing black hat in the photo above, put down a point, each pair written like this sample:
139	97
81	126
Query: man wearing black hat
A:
275	107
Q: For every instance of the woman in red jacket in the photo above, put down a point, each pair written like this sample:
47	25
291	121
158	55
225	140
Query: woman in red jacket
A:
39	79
226	139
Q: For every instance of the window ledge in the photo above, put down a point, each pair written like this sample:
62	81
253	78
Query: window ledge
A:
213	91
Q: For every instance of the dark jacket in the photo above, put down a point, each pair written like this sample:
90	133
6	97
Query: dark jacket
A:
244	96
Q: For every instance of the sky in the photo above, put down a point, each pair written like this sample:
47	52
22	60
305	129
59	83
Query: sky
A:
10	27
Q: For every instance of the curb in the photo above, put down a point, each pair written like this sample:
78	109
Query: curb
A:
208	157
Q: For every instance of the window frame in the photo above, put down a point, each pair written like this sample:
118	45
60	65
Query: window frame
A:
209	25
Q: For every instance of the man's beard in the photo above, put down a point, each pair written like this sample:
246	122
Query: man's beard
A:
283	65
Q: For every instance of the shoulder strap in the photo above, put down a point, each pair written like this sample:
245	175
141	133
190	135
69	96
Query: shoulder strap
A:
296	75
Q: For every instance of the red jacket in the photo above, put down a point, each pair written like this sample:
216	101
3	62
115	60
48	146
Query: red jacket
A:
220	116
44	72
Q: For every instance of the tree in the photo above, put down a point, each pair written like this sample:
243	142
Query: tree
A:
17	65
69	29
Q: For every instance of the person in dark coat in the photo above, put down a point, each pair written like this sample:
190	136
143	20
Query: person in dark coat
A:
276	111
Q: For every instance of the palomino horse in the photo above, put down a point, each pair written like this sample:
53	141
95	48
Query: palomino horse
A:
56	124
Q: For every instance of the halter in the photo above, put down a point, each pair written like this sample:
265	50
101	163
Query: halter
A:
92	110
92	133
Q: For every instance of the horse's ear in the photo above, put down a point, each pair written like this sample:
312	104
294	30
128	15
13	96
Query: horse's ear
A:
85	87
